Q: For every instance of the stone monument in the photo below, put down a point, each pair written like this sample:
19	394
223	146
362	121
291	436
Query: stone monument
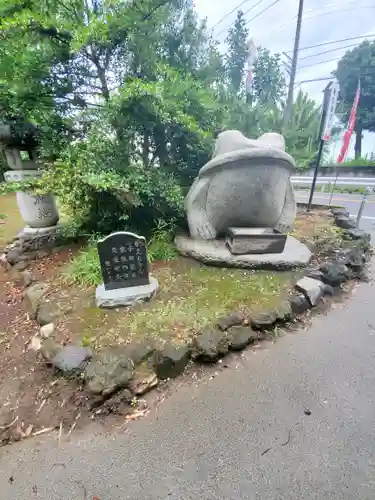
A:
244	194
39	212
124	265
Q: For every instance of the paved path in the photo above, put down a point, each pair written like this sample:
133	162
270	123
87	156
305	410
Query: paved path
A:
351	201
242	435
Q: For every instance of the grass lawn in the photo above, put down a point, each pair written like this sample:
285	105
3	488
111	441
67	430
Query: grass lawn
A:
10	219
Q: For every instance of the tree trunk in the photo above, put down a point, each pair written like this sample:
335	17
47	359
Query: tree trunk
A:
145	150
358	143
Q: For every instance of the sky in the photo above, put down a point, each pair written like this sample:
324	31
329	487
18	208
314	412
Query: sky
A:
323	21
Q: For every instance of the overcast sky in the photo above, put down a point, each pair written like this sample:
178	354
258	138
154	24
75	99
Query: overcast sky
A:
323	21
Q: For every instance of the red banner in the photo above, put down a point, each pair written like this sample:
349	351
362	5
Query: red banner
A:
350	127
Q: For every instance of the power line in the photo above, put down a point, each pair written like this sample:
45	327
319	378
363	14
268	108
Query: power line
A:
333	41
315	80
321	13
229	13
264	10
246	12
327	51
318	63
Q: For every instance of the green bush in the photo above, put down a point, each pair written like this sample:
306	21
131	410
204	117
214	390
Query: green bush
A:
85	268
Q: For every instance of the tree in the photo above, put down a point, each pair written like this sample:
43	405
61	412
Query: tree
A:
237	52
268	79
358	65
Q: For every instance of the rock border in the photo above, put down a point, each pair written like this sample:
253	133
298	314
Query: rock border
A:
122	373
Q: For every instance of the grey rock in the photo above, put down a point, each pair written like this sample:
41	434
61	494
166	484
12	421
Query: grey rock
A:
71	358
142	382
210	345
284	311
345	222
335	273
214	252
299	304
14	256
126	296
109	371
315	274
20	266
241	336
328	290
171	360
263	320
50	348
353	257
35	343
312	289
357	234
26	278
48	312
141	351
115	403
245	184
233	319
33	297
339	211
47	330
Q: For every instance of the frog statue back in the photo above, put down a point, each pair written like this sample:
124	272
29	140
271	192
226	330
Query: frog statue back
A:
245	184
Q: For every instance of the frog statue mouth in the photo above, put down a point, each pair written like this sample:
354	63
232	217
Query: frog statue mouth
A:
245	184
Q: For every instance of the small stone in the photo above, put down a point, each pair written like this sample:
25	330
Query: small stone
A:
307	412
71	358
141	351
47	330
328	290
263	320
171	360
241	336
312	289
33	298
335	273
315	274
339	211
299	304
356	234
50	348
48	313
210	345
143	382
345	222
35	344
20	266
26	278
236	318
284	311
14	255
4	261
109	371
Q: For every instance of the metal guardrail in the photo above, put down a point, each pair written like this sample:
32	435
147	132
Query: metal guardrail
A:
340	181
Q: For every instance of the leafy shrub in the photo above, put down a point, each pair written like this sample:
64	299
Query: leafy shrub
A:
160	246
85	268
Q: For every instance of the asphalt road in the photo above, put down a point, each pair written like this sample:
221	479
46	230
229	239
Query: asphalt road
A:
352	203
242	435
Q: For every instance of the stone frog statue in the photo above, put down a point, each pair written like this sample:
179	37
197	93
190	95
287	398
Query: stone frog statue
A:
245	184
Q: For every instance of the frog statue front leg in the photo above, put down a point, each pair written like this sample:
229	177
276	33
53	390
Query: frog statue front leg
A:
199	225
288	214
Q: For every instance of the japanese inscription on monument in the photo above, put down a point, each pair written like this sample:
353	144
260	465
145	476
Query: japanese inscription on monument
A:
123	260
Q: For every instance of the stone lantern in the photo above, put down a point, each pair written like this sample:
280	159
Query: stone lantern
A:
39	212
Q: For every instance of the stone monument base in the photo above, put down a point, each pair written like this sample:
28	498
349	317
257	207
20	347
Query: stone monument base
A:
125	296
258	240
215	252
42	238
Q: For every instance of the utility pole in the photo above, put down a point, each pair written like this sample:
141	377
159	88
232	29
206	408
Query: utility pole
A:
293	68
